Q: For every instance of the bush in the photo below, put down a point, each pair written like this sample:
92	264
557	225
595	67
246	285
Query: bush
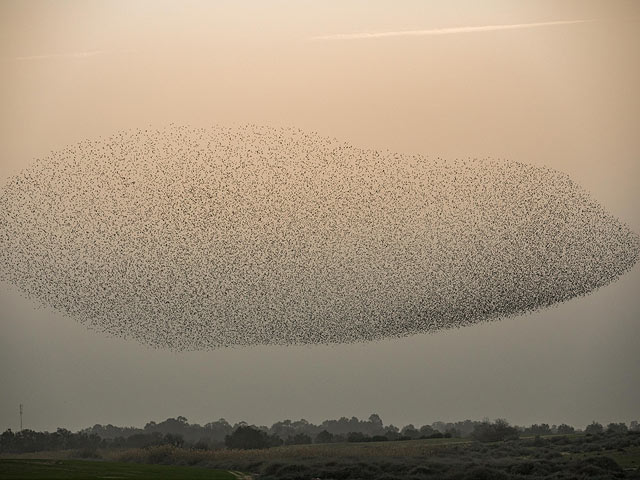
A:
524	468
605	463
538	441
422	470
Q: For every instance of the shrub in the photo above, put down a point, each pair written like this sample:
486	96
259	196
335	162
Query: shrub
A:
604	463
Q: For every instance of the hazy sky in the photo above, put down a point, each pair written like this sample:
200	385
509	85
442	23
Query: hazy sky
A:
542	82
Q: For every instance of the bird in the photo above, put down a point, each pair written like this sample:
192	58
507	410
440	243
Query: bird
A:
199	238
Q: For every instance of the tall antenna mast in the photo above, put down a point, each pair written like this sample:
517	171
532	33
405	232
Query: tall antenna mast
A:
20	417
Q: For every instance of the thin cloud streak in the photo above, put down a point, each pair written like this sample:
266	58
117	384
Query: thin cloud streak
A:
90	53
446	31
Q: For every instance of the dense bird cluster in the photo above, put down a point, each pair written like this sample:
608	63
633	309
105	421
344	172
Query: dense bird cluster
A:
188	238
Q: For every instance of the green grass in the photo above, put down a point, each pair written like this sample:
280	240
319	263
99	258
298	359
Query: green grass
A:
83	469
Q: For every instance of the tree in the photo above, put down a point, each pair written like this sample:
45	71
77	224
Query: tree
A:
324	437
218	430
246	438
565	429
494	432
173	439
594	428
375	419
275	441
392	432
426	431
201	445
542	429
617	428
374	426
452	433
410	432
357	437
7	441
298	439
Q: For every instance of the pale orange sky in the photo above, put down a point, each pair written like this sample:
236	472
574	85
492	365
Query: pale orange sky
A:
564	96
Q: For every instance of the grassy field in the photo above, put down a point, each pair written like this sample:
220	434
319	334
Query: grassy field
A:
84	469
410	448
570	456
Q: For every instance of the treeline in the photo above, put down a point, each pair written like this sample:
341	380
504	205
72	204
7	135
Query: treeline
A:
289	432
249	437
221	434
62	439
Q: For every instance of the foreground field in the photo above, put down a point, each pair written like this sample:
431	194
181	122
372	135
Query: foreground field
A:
83	469
602	456
411	448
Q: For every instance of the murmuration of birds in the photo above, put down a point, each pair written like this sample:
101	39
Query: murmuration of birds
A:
200	238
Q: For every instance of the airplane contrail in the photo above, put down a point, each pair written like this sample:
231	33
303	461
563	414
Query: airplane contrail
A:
445	31
90	53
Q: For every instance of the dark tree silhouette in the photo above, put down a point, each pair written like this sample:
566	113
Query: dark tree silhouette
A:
565	429
594	428
324	437
298	439
494	432
246	438
617	428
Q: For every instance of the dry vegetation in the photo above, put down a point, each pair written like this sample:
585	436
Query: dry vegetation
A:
415	448
601	456
605	455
